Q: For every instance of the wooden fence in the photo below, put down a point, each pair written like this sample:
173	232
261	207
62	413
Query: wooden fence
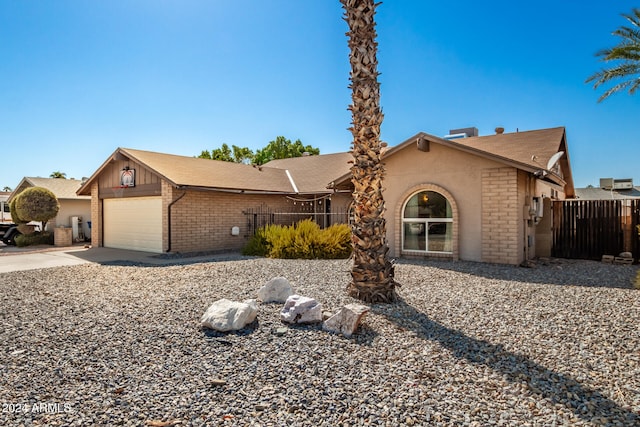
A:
588	229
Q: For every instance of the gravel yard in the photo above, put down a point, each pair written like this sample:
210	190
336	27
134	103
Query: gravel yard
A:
468	344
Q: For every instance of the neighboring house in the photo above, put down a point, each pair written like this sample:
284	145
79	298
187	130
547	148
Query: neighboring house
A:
479	198
5	212
72	205
610	189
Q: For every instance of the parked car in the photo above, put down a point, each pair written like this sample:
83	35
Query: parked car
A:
8	232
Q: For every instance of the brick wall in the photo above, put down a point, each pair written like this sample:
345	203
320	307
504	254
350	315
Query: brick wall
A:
96	216
202	220
501	216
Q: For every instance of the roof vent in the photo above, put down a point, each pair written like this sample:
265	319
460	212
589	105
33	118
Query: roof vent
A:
499	130
462	133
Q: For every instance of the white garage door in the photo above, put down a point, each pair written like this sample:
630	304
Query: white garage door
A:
133	223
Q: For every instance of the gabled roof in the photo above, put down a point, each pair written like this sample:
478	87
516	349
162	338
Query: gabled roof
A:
529	151
312	174
62	188
532	148
205	173
289	176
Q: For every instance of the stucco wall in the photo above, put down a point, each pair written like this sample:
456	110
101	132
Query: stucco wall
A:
69	208
459	173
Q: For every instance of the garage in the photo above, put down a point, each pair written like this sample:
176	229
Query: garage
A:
133	223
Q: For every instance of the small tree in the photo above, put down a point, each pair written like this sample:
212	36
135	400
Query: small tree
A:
14	215
36	204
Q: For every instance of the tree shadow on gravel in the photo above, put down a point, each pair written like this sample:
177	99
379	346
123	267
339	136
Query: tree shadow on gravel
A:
586	403
554	271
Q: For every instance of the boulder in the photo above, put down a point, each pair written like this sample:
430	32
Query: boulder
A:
347	320
225	315
277	289
299	309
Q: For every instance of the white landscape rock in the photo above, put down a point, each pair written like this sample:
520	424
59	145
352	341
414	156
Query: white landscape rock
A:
225	315
347	320
277	289
299	309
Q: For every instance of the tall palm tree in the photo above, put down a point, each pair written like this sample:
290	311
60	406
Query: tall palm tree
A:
627	57
372	273
58	174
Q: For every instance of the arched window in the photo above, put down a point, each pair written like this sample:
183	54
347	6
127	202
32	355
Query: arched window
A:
427	223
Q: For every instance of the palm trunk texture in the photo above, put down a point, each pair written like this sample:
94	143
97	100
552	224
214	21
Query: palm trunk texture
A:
372	273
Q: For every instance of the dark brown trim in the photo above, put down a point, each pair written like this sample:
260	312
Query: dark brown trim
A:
137	191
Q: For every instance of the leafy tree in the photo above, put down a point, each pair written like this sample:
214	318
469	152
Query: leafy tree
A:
58	174
204	154
626	55
372	273
234	154
282	148
36	204
242	154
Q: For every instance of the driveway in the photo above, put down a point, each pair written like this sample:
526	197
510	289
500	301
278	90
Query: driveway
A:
34	257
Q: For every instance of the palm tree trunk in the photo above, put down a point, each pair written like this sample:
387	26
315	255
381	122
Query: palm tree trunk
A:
372	272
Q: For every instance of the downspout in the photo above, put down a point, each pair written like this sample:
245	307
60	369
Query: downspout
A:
169	219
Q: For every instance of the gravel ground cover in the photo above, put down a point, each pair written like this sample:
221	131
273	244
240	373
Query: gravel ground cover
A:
468	344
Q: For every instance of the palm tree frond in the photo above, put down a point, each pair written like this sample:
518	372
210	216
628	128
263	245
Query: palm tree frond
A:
634	86
627	55
633	17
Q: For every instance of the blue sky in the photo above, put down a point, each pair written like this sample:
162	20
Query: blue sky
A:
79	79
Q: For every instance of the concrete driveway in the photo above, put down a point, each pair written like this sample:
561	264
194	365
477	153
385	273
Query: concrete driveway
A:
34	257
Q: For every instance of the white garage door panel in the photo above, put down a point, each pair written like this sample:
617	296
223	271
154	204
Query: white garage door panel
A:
133	223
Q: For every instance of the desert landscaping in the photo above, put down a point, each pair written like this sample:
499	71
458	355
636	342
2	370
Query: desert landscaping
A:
467	344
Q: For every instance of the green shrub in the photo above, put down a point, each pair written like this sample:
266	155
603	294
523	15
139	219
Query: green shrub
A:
14	214
280	241
303	240
258	244
44	238
336	241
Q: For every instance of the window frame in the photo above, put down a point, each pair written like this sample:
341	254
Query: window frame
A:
427	222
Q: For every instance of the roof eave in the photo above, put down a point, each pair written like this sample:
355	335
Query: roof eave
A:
232	190
85	188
